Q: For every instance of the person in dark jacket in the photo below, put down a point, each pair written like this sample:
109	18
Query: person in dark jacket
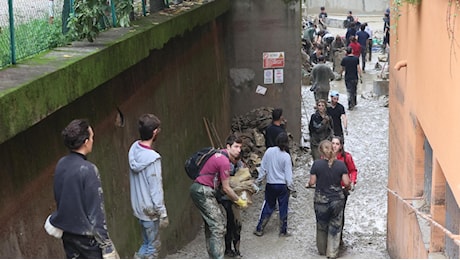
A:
320	127
80	216
363	38
351	31
321	76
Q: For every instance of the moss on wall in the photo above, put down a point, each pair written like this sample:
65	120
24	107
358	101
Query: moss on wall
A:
71	72
181	80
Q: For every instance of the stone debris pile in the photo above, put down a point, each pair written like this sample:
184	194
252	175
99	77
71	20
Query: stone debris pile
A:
251	128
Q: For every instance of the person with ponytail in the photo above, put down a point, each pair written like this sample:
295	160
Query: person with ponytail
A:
327	174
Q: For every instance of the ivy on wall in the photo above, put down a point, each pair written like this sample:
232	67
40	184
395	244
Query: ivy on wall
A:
452	14
396	12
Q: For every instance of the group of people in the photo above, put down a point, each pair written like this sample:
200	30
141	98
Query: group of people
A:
333	175
346	53
79	219
223	227
333	172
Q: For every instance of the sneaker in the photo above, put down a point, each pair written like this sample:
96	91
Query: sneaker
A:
258	233
238	254
229	253
287	234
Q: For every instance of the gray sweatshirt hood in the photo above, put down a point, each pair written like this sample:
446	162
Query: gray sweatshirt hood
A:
141	157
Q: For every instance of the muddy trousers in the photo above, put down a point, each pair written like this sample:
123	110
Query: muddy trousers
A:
79	246
346	193
273	193
321	94
232	236
329	227
369	48
352	86
363	57
314	152
215	223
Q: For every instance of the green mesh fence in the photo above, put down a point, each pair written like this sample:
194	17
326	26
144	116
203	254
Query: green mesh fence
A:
35	30
38	26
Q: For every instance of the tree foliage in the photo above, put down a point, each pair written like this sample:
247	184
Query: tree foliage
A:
91	17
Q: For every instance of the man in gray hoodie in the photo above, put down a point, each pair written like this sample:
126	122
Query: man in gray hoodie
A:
147	198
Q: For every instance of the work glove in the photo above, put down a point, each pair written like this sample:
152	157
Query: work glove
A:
346	131
352	187
112	255
241	202
164	222
361	80
293	193
255	188
52	230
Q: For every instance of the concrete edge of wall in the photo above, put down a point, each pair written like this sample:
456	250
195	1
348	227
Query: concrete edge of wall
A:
41	85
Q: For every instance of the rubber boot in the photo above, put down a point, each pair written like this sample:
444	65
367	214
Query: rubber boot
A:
333	244
321	241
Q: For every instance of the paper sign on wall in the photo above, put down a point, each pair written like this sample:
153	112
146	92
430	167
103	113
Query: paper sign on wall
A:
273	60
279	76
268	76
261	90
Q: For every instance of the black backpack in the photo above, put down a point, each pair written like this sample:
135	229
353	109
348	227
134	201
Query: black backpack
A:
195	163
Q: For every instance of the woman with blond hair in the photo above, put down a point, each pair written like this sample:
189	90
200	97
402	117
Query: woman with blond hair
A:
320	127
327	174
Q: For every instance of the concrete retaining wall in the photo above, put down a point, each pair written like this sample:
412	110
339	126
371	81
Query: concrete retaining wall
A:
182	80
177	67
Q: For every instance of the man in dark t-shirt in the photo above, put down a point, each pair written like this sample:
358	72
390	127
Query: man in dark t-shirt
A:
337	113
322	17
363	36
350	64
275	128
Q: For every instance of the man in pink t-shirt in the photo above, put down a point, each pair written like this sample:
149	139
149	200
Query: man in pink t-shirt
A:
216	171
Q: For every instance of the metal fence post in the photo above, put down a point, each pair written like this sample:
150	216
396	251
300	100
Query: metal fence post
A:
144	11
12	41
114	15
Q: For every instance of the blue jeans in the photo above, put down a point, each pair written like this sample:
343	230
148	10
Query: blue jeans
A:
151	244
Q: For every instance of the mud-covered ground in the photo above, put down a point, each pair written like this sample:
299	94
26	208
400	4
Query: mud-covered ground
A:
365	216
